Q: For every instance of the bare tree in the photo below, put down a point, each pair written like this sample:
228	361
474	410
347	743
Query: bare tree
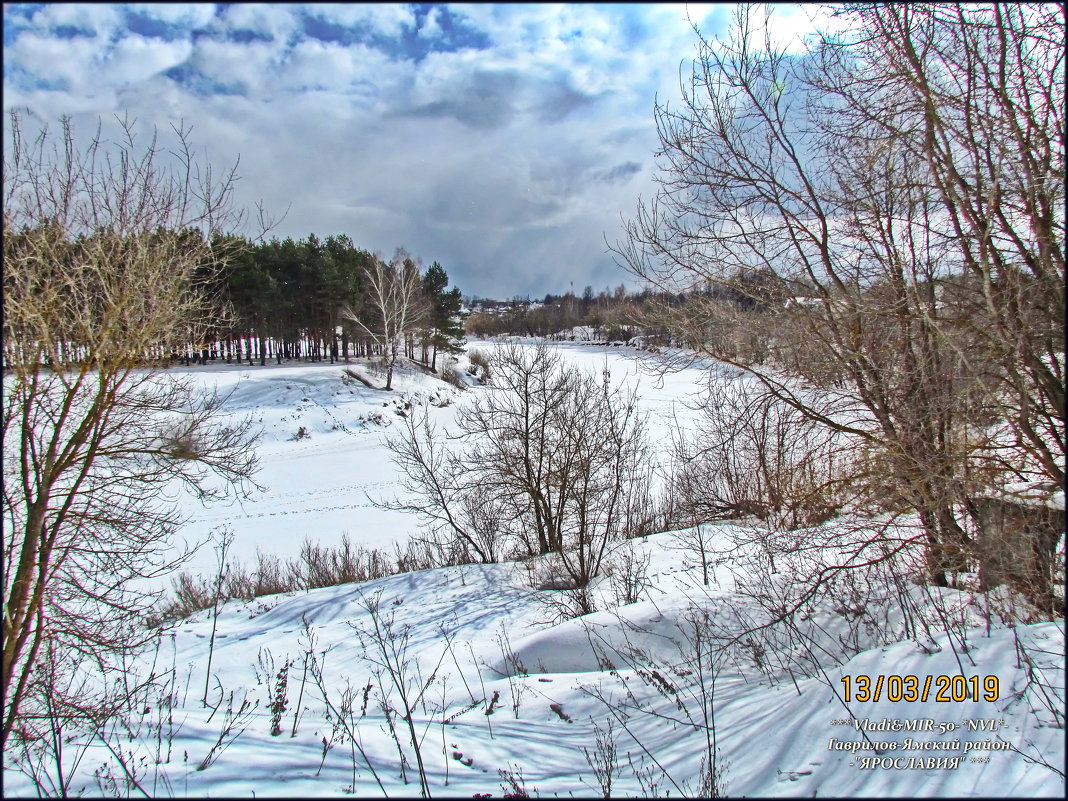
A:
443	492
107	251
549	460
752	456
983	92
849	202
978	103
394	307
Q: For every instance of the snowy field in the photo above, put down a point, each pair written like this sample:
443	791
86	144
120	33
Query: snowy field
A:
322	486
489	694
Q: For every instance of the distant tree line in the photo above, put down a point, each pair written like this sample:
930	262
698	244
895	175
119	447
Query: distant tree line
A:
616	315
621	315
328	300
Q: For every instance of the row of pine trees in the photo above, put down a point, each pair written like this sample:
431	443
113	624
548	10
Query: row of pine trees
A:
288	300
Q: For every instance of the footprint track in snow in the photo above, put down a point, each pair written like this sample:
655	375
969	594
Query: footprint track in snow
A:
285	512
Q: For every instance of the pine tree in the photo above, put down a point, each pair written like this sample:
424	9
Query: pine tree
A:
446	329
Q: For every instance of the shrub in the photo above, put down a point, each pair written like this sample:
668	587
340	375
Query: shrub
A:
481	364
755	456
450	376
316	566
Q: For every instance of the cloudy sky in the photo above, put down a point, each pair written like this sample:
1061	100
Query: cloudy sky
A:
504	141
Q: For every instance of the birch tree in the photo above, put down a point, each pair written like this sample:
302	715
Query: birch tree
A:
393	307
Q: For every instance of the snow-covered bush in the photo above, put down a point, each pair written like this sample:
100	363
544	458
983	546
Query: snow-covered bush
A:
480	365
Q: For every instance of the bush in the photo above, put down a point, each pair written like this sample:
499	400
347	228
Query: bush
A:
630	572
481	364
319	566
553	461
754	456
449	376
316	566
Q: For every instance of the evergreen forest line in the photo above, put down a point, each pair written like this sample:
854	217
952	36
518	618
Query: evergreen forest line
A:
312	299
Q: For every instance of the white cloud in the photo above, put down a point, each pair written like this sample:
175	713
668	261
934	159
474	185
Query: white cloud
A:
92	66
101	18
327	65
791	24
135	58
277	21
697	13
530	27
51	58
431	27
250	65
47	106
388	19
190	15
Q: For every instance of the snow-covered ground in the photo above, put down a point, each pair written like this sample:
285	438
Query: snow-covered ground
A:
504	697
322	486
318	484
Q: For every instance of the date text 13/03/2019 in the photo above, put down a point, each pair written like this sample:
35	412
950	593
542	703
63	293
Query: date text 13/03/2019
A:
942	689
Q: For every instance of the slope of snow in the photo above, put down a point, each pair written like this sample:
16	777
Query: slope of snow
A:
319	485
467	635
323	485
464	631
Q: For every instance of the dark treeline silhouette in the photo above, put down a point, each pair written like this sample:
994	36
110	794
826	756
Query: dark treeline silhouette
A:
288	300
615	316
